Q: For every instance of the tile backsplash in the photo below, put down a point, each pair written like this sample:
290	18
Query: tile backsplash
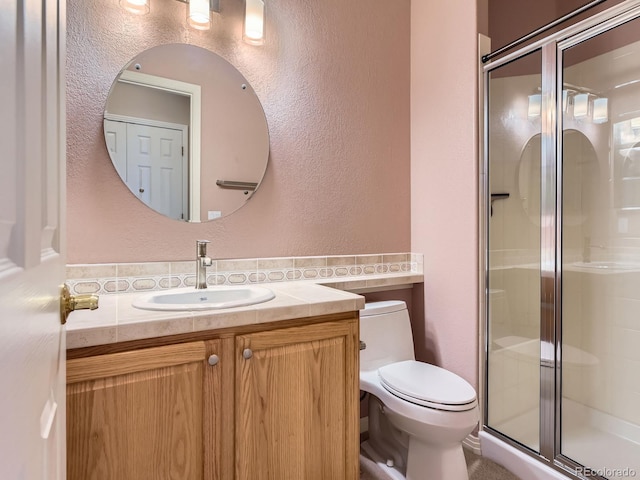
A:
113	278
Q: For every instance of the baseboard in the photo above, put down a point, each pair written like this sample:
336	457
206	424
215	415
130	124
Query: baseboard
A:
472	442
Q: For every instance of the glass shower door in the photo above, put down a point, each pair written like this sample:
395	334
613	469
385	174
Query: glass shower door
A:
600	222
513	277
562	220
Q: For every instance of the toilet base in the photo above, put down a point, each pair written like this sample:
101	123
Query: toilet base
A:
425	463
390	472
430	462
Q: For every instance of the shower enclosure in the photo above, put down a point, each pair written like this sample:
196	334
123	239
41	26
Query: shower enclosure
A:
561	187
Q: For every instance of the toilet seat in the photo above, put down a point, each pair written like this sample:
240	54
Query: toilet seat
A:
427	385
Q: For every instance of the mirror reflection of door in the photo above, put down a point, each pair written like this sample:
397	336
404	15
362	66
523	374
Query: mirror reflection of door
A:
152	162
146	132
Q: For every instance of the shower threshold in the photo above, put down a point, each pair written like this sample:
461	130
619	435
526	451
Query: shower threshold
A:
601	442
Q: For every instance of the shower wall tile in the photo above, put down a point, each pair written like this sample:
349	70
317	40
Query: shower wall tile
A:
573	383
514	382
626	342
625	377
626	313
597	387
600	321
626	407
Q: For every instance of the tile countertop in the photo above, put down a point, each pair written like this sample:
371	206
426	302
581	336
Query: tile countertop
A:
116	320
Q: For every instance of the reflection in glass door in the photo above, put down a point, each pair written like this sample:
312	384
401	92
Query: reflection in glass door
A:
562	246
514	249
600	413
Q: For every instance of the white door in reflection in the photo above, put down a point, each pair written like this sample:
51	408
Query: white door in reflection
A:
153	163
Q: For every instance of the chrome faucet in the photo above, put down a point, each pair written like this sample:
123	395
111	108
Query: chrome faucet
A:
586	249
202	262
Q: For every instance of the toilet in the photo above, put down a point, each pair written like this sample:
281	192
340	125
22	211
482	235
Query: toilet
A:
419	414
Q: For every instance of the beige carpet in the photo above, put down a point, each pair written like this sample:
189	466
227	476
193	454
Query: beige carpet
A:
479	467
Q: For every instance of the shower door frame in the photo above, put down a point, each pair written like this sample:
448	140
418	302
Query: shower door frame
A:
552	47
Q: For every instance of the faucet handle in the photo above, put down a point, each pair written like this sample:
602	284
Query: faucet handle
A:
201	247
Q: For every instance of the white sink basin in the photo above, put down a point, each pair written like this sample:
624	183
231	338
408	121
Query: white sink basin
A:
206	299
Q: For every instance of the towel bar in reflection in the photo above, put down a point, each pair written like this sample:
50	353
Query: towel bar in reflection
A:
237	185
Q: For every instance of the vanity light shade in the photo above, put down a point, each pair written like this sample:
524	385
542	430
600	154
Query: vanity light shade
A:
600	110
253	31
535	105
198	15
581	105
140	7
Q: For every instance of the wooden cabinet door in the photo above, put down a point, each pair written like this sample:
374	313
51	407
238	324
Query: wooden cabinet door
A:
137	415
297	403
218	408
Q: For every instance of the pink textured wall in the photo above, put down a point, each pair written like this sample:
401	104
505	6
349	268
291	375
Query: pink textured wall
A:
333	78
444	179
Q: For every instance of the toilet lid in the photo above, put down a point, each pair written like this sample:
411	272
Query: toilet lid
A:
427	385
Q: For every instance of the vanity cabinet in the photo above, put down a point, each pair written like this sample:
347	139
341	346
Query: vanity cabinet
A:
296	414
253	402
137	414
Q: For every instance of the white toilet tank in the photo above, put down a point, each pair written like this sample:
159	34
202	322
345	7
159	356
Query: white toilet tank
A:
385	328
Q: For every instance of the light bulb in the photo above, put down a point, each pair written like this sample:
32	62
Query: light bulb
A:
581	105
199	16
535	104
140	7
600	110
254	21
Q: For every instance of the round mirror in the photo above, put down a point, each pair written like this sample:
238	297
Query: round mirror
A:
186	132
580	172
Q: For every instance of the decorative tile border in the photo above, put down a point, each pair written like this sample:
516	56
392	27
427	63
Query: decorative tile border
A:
105	279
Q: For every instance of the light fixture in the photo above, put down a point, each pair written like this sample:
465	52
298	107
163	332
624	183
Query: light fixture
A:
600	110
535	105
198	15
253	31
140	7
580	106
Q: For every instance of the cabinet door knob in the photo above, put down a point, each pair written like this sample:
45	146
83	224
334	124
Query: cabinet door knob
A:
213	360
247	353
